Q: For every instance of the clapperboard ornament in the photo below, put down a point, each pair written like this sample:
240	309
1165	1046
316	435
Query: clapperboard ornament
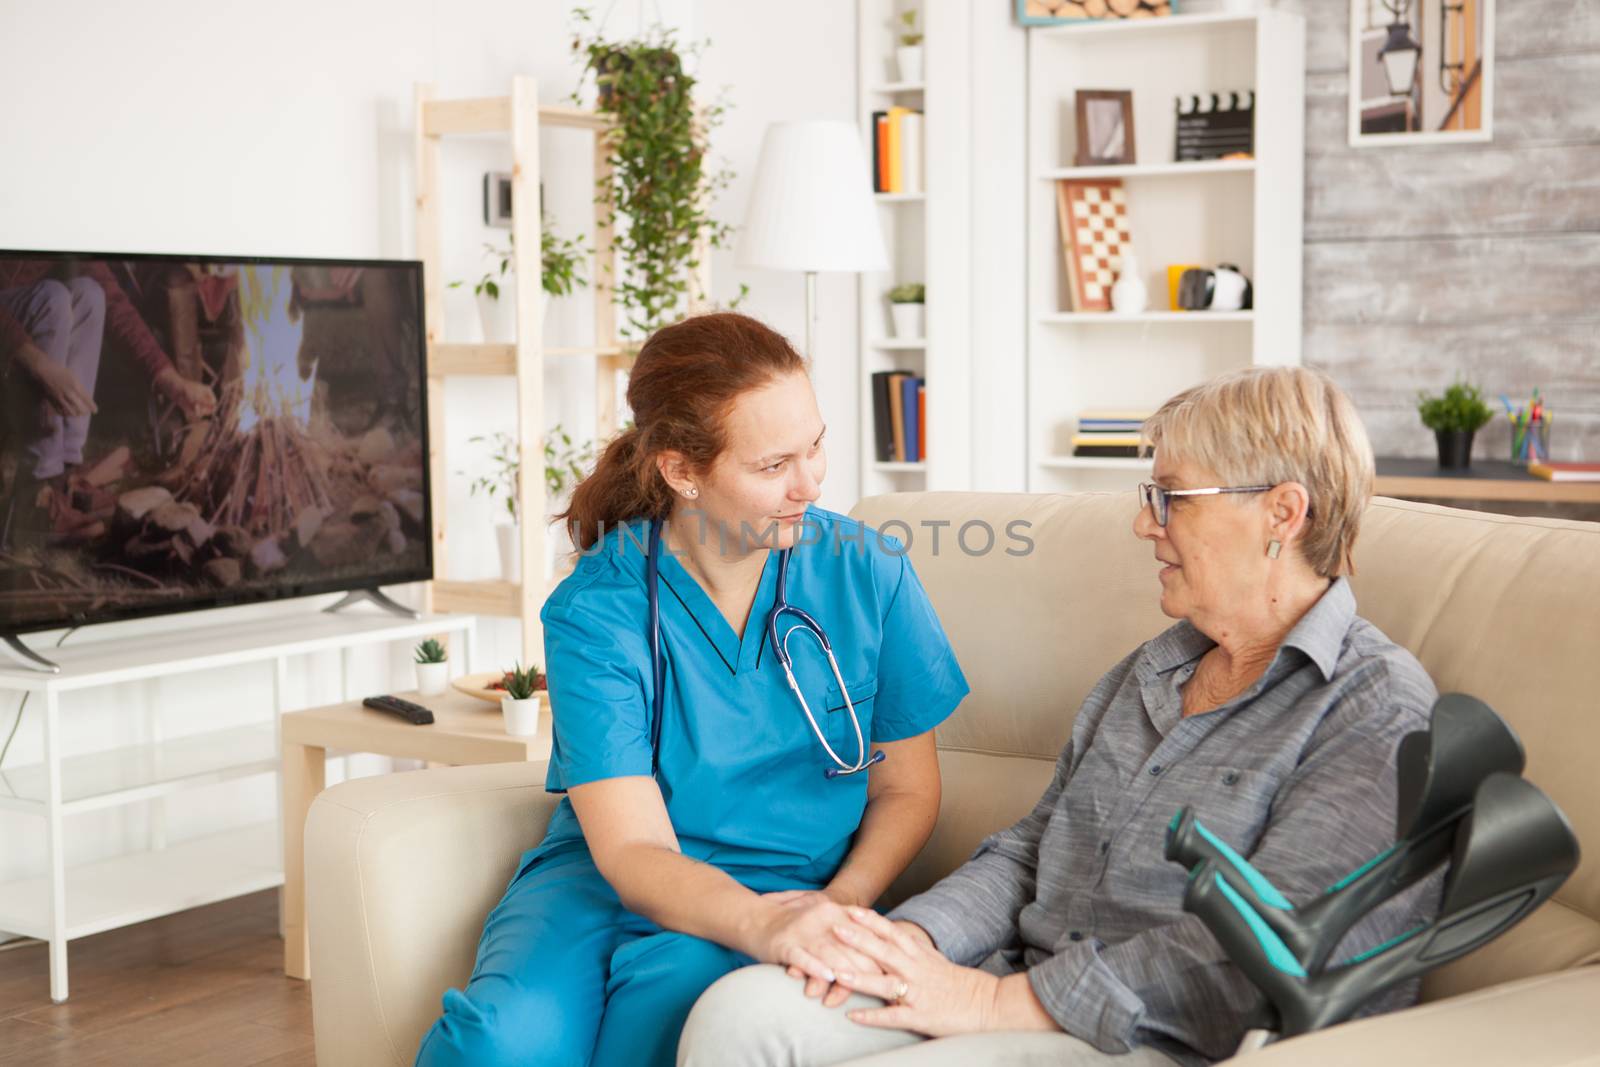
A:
1213	125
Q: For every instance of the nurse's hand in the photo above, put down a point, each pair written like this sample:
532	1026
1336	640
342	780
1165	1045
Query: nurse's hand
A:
798	932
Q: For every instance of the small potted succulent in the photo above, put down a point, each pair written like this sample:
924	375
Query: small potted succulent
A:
1454	418
908	55
906	311
524	689
433	668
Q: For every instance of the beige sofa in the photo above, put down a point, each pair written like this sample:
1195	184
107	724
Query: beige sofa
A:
402	869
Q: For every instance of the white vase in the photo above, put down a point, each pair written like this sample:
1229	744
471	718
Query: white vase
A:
908	58
521	716
1129	295
432	678
908	320
507	534
499	315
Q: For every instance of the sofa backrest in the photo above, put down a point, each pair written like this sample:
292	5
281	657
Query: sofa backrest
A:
1506	609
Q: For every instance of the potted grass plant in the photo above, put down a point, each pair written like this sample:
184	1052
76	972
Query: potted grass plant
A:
433	668
524	693
1454	417
908	53
906	305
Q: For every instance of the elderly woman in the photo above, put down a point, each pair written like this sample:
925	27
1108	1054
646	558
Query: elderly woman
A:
1270	706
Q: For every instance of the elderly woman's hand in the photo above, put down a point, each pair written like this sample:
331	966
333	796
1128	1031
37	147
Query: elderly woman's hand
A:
927	993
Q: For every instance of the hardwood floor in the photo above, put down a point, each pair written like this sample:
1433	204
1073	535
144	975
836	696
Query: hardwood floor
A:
204	986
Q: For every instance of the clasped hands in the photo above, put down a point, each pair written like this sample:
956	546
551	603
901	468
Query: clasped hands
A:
839	949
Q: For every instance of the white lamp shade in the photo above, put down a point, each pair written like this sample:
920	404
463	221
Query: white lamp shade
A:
811	208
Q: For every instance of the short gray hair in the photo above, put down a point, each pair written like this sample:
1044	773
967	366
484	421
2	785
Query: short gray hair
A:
1269	425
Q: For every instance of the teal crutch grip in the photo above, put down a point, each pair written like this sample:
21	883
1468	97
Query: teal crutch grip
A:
1189	843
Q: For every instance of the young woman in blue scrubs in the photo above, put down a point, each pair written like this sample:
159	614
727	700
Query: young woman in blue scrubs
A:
647	887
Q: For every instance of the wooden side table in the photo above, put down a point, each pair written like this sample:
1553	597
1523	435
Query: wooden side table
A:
464	730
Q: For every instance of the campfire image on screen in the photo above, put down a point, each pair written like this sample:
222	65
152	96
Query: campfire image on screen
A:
258	432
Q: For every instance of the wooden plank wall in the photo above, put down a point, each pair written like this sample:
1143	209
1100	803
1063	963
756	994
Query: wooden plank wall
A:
1478	259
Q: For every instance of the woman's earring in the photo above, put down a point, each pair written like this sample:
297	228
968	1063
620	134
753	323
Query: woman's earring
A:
691	492
1273	548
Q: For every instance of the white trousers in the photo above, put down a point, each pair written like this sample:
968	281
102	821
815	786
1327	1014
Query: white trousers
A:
760	1016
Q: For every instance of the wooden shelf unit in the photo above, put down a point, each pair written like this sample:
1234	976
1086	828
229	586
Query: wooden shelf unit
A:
519	116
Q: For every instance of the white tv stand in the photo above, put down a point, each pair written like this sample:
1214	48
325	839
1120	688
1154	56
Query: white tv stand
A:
69	903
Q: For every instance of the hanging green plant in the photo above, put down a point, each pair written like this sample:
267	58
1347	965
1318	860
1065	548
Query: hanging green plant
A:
660	182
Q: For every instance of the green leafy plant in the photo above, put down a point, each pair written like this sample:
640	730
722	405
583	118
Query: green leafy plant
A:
1461	409
909	293
430	651
564	464
559	263
521	684
910	36
659	179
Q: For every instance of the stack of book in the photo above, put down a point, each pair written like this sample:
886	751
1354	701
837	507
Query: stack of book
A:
897	151
1565	472
899	419
1109	433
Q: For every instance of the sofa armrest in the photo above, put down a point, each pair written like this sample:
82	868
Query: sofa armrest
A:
1546	1021
401	871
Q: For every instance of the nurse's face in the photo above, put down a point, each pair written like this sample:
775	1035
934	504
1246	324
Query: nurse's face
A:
772	469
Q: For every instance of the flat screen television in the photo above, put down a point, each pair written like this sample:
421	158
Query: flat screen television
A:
185	432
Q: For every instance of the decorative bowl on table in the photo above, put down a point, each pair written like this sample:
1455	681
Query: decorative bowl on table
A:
485	685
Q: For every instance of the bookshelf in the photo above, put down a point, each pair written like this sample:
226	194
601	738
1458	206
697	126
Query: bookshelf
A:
927	235
1245	212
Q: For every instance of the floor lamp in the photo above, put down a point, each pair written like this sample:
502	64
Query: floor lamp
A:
811	207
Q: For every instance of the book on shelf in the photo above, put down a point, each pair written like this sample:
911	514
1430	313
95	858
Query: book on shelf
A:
899	420
1565	472
908	407
897	151
1110	434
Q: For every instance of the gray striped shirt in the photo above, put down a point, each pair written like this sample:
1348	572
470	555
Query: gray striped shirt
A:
1297	774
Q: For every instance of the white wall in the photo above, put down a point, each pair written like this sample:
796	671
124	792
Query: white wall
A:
226	127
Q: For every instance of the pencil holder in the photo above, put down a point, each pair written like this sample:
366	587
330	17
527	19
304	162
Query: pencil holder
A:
1531	442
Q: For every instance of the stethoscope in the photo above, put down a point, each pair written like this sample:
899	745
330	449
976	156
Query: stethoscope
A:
780	607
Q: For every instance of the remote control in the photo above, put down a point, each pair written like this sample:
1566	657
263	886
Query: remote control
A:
415	714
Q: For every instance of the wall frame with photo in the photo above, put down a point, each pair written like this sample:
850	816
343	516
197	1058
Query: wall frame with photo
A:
1105	127
1421	71
1061	12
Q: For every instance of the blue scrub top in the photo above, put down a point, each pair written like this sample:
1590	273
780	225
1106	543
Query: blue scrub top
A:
740	769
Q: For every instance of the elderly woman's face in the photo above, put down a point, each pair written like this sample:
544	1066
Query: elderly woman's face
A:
1211	545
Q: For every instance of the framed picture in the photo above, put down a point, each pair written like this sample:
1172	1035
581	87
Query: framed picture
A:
1057	12
1105	127
1421	71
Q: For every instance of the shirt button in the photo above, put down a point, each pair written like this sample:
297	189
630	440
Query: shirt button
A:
1156	769
1105	846
1230	778
1076	936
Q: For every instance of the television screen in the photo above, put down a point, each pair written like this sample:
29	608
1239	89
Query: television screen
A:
180	432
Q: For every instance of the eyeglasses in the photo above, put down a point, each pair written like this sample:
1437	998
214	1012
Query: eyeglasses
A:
1159	500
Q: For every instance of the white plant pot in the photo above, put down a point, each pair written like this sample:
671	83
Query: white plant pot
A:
499	316
462	320
522	716
433	678
909	61
908	320
509	537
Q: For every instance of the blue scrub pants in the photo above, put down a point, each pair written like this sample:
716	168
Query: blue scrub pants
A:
567	975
